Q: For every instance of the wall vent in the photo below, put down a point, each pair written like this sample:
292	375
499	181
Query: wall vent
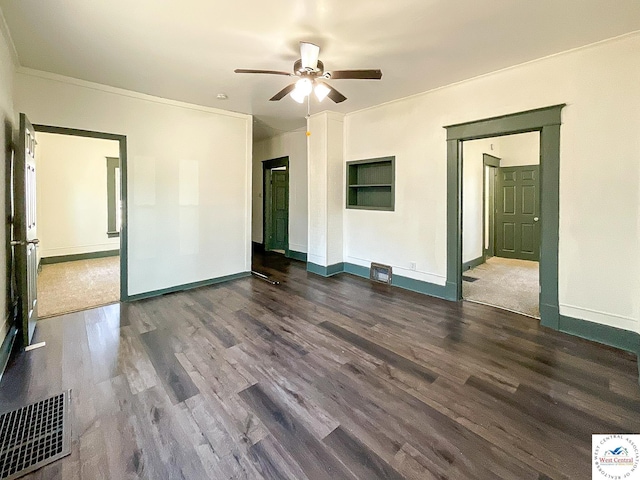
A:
380	273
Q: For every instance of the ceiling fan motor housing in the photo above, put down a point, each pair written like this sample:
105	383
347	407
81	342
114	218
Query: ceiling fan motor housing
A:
298	69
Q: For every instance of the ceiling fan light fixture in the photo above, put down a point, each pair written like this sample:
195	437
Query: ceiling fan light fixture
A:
321	91
297	95
304	86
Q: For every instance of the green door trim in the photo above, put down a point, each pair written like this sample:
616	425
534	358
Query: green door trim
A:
547	121
267	166
122	139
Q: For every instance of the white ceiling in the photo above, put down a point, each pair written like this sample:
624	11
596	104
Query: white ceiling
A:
188	50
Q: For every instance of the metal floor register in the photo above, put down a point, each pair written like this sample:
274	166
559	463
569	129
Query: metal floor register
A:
34	436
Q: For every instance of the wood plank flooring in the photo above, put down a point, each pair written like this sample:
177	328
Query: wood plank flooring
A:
320	378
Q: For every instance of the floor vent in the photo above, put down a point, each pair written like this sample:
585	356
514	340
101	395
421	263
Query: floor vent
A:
34	436
380	273
466	278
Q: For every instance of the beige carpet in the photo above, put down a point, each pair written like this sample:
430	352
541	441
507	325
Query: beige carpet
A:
506	283
72	286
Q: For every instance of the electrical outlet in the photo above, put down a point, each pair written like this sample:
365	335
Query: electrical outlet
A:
413	265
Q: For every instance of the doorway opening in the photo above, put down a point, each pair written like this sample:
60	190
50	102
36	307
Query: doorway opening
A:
500	222
81	218
271	257
275	205
547	121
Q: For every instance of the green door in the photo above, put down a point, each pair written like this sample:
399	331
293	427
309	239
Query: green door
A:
25	239
279	229
518	212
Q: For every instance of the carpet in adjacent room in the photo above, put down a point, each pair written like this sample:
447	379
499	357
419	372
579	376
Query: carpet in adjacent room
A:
71	286
505	282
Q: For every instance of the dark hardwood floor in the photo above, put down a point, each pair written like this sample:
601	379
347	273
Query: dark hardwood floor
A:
318	378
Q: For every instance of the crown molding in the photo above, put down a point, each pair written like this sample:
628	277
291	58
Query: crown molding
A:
126	93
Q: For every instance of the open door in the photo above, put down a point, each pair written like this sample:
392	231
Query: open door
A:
279	210
25	240
518	212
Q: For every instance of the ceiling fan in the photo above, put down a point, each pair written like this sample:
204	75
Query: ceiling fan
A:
311	77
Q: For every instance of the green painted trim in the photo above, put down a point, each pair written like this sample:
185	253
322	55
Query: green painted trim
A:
79	256
550	221
597	332
547	121
473	263
189	286
296	255
520	122
405	283
325	271
454	218
490	160
112	164
276	163
440	291
124	227
358	270
7	348
349	185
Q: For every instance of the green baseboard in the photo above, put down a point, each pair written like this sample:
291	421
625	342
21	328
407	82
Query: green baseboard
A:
549	316
188	286
426	288
6	348
605	334
297	255
79	256
612	336
325	271
419	286
358	270
473	263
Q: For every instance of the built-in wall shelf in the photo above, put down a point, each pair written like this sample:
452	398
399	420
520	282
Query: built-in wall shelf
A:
370	184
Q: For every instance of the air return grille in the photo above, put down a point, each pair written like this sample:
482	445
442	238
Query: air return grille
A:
35	435
380	273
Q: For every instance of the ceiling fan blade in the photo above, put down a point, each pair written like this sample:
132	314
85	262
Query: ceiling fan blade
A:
309	55
269	72
283	93
356	74
334	94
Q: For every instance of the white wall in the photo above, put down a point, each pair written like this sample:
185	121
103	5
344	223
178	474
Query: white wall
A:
472	179
517	150
189	175
292	145
7	123
72	194
513	150
326	188
599	251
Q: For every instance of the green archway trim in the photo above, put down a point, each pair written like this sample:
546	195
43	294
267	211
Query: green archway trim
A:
546	121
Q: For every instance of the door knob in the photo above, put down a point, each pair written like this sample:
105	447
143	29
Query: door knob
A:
535	219
16	243
35	241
